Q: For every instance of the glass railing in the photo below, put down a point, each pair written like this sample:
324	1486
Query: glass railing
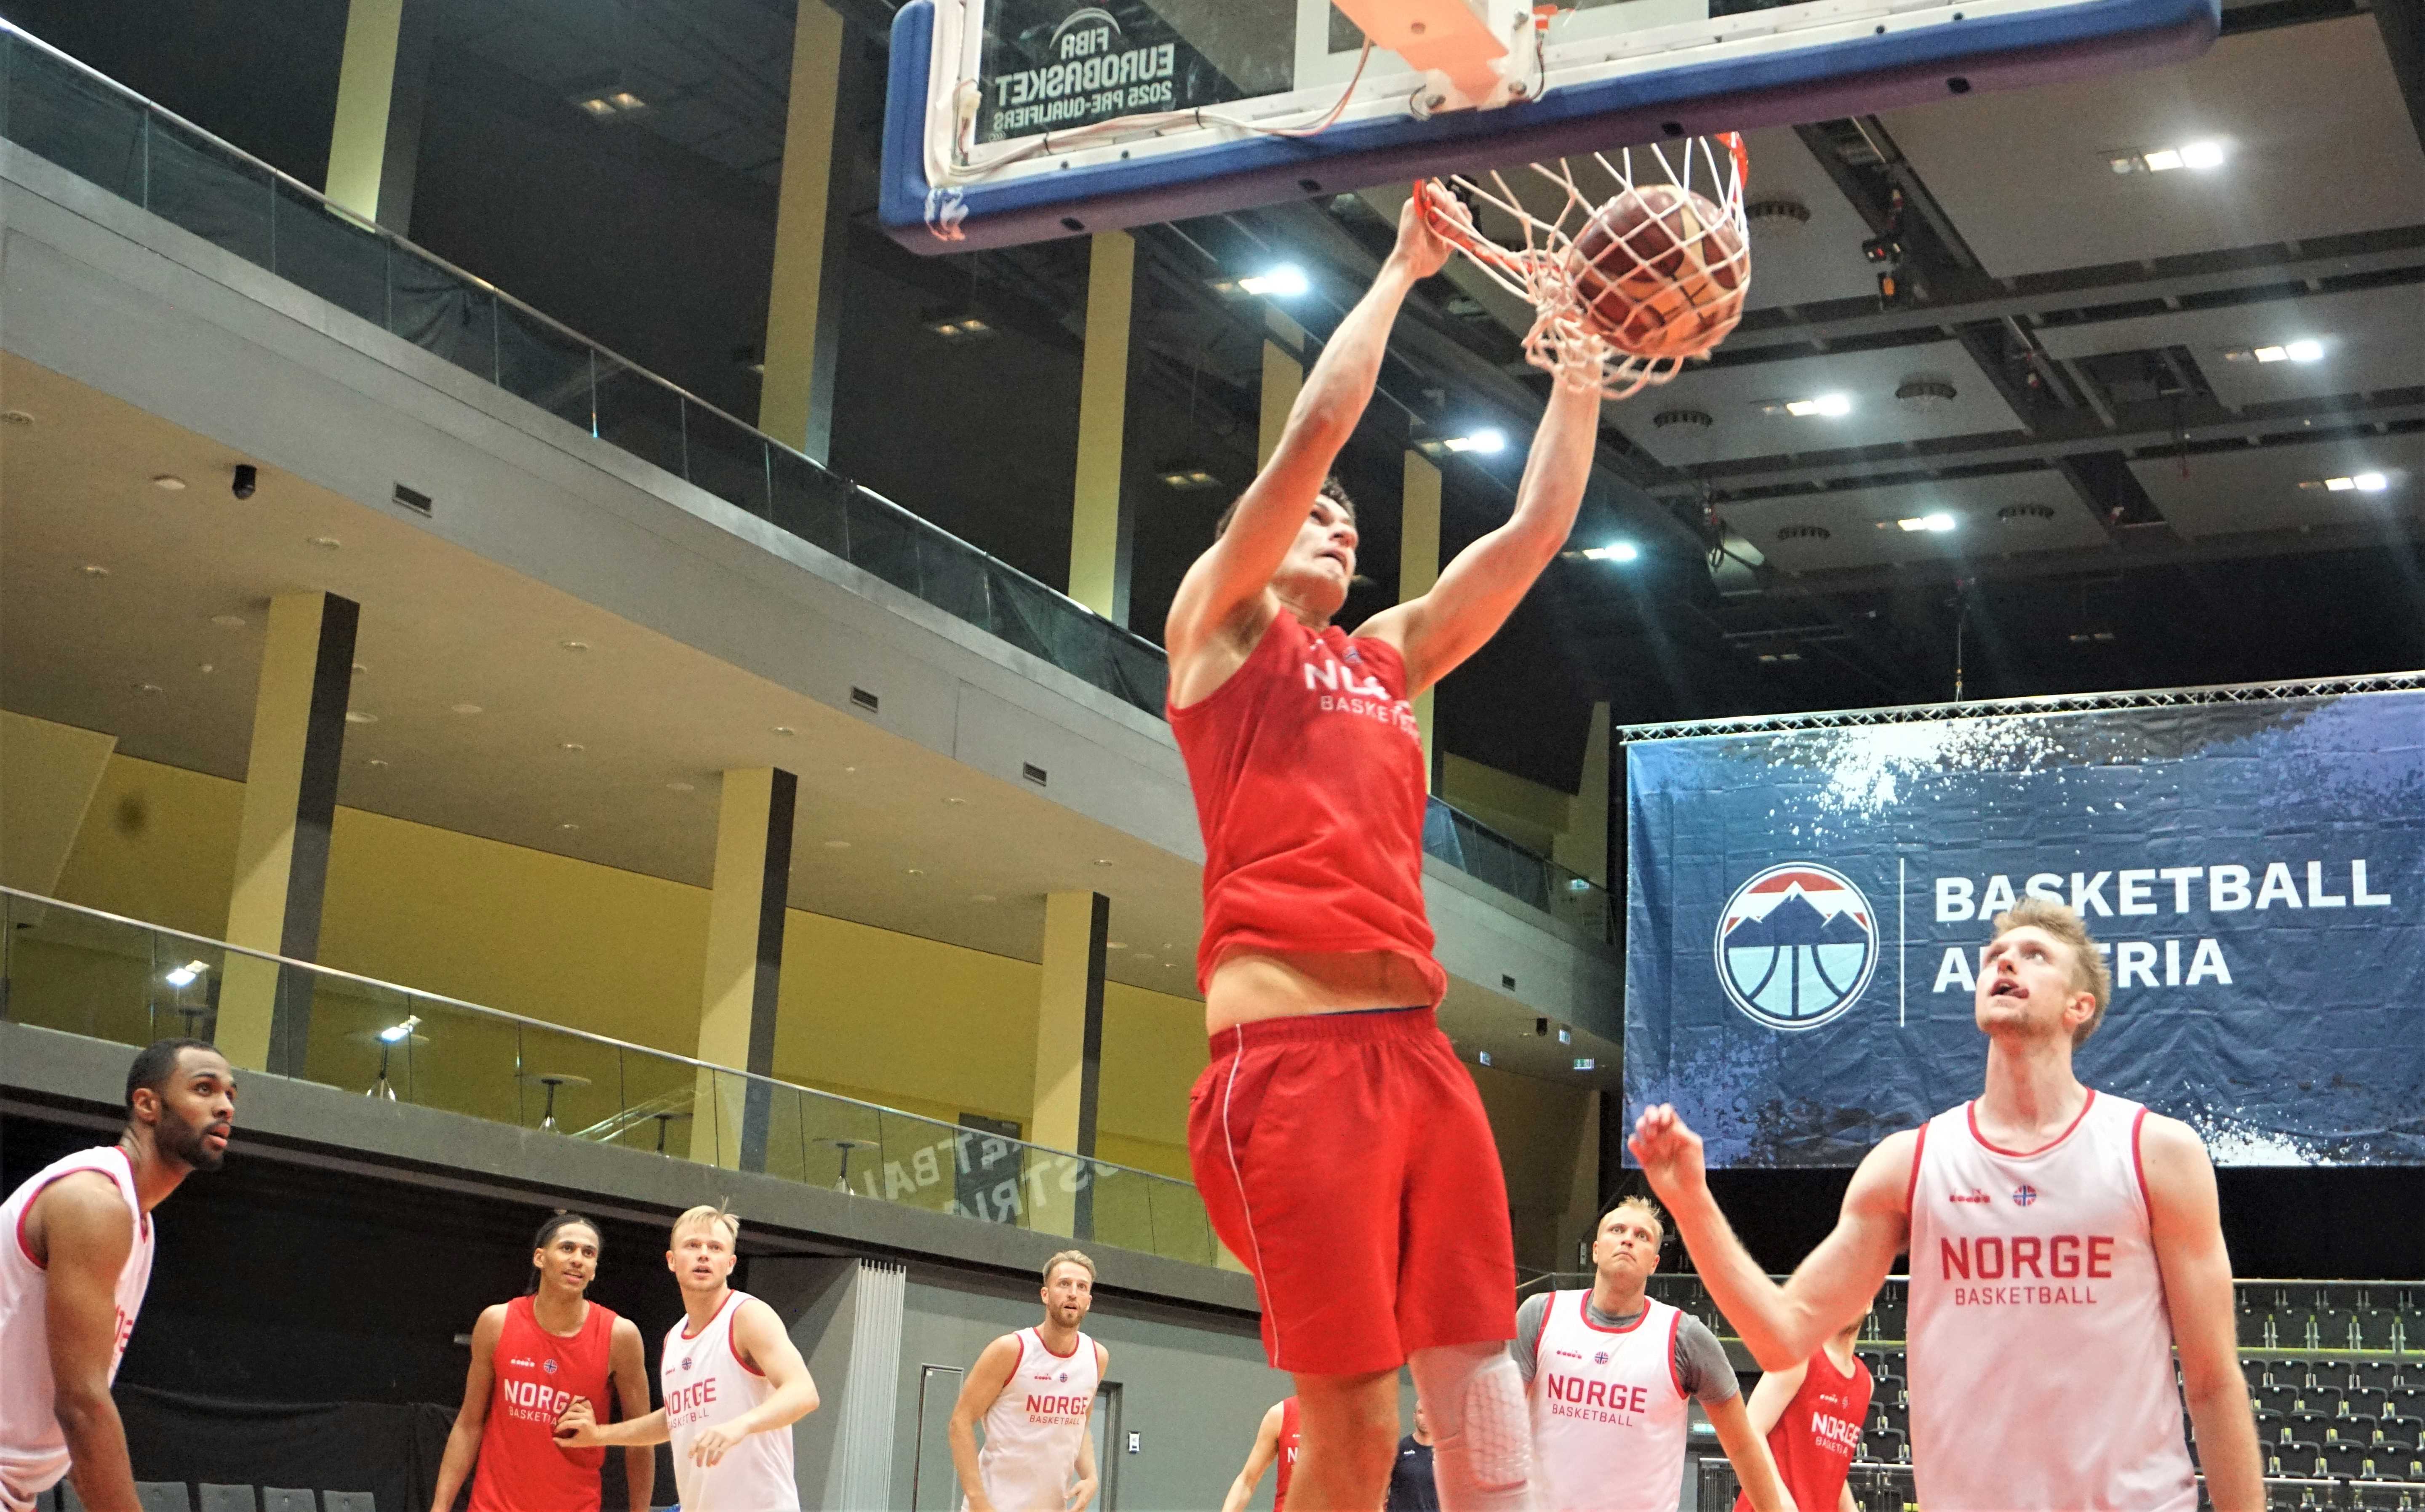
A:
93	973
88	123
1483	854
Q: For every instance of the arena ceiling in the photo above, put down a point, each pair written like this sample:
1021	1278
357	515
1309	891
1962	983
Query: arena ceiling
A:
2137	500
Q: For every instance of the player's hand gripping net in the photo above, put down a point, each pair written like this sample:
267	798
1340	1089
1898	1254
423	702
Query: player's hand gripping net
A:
1632	264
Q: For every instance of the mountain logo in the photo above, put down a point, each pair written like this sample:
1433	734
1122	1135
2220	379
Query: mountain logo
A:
1796	945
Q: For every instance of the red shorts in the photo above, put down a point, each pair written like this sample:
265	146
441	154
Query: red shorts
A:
1346	1159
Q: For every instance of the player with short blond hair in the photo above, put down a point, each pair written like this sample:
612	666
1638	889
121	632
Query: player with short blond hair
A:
1033	1389
2063	1245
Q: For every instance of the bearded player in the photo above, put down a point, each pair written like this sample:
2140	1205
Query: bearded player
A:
530	1358
733	1384
1033	1389
1811	1416
2063	1243
1339	1146
1609	1372
74	1268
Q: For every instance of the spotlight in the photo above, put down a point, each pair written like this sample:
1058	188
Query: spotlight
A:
1487	440
248	479
1829	404
1285	281
2304	351
185	975
1937	523
397	1033
1615	551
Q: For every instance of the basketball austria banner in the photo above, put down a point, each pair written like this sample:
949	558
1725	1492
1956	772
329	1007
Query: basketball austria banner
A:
1807	907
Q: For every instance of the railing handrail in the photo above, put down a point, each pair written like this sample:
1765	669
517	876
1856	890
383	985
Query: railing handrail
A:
483	1011
374	228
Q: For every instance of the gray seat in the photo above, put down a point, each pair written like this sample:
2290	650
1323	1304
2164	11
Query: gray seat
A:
164	1496
229	1499
348	1502
283	1498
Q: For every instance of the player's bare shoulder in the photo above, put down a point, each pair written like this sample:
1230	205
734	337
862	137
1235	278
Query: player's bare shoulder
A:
1882	1184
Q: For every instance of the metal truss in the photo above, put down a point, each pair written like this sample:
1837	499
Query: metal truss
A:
2313	687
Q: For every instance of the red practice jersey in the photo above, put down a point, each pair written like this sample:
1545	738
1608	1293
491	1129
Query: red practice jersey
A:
535	1377
1815	1442
1308	769
1286	1456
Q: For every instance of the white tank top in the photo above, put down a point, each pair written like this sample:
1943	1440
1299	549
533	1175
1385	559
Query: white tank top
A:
33	1452
2041	1352
1034	1429
1608	1411
704	1383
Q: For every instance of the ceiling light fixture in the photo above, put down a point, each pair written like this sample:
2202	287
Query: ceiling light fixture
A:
15	417
615	104
95	569
1832	406
397	1033
168	483
958	326
837	844
2200	155
1285	281
1938	522
228	621
1487	440
1615	551
1771	657
573	645
326	543
185	975
2304	351
360	716
1189	477
466	708
2359	482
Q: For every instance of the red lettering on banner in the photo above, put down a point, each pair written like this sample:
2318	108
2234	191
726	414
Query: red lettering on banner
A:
2100	1257
2025	1252
2063	1256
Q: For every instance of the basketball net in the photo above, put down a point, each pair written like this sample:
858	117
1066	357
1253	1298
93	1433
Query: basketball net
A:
1625	268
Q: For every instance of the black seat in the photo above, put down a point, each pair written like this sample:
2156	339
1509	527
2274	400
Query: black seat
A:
2365	1401
2277	1401
2343	1459
2350	1429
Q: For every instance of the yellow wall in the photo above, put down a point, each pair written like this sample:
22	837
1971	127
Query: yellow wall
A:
888	1018
1539	1126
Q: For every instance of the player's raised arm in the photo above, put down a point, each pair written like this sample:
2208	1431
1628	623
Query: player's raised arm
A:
1240	565
2185	1224
1781	1326
1480	589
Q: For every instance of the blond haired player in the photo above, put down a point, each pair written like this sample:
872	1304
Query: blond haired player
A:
733	1384
1033	1389
2064	1243
1609	1370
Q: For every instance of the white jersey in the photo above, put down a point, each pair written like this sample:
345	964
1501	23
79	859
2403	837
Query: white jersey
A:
1034	1429
704	1383
2041	1352
33	1451
1608	1411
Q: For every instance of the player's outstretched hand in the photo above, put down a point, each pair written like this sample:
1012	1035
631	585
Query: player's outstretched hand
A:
1420	249
712	1444
576	1427
1669	1152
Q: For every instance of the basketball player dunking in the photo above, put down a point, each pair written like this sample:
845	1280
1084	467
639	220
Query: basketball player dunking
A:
1339	1146
2063	1243
733	1384
1609	1372
1278	1442
530	1358
1033	1389
73	1267
1811	1416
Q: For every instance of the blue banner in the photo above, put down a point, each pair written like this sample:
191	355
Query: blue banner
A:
1806	909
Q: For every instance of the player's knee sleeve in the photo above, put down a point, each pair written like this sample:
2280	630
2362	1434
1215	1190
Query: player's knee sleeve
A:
1482	1441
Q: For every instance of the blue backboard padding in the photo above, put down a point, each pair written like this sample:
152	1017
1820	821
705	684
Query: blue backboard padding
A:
1858	76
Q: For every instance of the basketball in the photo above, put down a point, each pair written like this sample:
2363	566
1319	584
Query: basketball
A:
1660	272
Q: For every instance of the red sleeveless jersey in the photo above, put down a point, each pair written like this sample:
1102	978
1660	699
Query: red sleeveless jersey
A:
1815	1442
1307	768
535	1377
1286	1456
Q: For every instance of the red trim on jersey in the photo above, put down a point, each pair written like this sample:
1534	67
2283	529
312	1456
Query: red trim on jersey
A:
1048	1348
1584	1301
27	1211
2139	1163
1911	1187
730	1298
1675	1323
1971	1111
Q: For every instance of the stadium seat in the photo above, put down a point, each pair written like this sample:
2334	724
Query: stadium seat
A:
2411	1430
229	1499
1884	1446
2277	1401
2365	1401
2348	1430
2376	1374
2254	1330
348	1502
2346	1460
2407	1401
283	1498
2374	1328
164	1496
2307	1426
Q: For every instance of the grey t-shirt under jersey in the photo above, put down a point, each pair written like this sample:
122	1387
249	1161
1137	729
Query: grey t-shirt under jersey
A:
1701	1361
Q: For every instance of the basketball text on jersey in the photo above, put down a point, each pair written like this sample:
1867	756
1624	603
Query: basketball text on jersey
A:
1367	698
1572	1396
686	1404
1829	1429
533	1401
2060	1257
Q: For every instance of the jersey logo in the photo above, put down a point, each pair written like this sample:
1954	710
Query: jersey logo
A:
548	1365
1600	1358
1796	946
1972	1196
519	1363
2024	1195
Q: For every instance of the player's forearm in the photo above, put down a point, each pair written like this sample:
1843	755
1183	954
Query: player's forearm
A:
1558	468
1767	1319
791	1402
636	1432
96	1442
1341	384
2226	1436
964	1461
1081	1495
640	1476
1240	1494
455	1465
1748	1453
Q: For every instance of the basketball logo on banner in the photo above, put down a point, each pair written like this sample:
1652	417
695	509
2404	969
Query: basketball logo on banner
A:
1795	945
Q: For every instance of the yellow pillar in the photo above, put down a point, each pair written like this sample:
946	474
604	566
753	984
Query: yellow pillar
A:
744	963
1582	845
1419	553
365	89
1577	1228
1098	565
1068	1056
1283	376
795	403
282	847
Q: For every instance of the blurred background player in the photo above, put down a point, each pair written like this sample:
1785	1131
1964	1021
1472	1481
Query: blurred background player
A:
73	1271
1811	1416
530	1358
1275	1444
1034	1391
1610	1372
1411	1478
1339	1146
733	1384
2063	1245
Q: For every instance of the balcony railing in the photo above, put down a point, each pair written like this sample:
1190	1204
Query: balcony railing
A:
95	973
96	128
